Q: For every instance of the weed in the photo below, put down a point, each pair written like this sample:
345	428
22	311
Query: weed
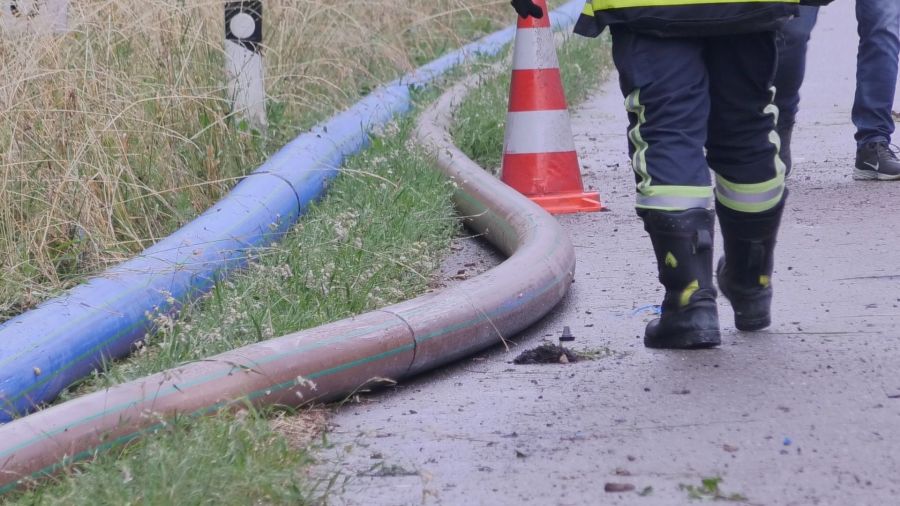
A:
594	353
709	489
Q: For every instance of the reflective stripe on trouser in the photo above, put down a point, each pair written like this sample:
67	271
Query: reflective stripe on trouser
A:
756	197
665	198
676	198
742	145
750	198
667	119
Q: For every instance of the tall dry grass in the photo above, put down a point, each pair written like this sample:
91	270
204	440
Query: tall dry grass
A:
118	132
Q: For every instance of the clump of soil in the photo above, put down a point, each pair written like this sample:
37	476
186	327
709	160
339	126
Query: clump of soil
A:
547	353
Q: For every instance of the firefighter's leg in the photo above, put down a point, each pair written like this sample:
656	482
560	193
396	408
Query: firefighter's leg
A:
745	272
743	150
666	94
793	39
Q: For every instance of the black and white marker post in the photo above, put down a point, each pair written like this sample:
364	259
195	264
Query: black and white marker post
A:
244	63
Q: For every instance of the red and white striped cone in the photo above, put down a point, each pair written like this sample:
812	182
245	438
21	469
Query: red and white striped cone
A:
539	158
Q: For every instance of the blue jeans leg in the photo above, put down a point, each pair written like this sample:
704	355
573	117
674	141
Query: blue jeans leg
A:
876	69
792	42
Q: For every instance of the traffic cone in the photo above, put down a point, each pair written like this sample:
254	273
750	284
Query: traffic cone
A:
539	158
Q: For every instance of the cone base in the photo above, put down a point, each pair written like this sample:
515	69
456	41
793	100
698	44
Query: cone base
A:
569	203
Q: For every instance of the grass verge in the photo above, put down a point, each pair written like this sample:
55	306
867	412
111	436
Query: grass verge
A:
375	239
115	134
228	459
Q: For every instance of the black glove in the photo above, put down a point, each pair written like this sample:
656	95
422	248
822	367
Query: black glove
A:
527	8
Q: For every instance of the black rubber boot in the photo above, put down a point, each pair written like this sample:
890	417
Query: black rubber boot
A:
745	272
683	243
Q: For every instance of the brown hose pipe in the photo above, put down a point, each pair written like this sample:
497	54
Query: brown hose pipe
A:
333	360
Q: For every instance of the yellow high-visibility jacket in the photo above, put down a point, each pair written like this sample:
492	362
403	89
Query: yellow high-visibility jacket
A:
685	18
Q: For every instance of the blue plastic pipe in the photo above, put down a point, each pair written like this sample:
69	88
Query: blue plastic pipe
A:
64	339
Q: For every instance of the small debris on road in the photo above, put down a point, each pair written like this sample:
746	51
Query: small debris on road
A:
382	470
653	309
546	353
618	487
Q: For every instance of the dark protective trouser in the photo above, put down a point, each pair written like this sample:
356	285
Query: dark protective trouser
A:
878	26
687	94
793	39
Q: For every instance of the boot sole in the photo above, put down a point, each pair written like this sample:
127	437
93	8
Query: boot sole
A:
748	324
871	175
751	324
693	340
741	322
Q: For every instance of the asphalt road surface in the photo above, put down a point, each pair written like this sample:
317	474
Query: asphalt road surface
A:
806	412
